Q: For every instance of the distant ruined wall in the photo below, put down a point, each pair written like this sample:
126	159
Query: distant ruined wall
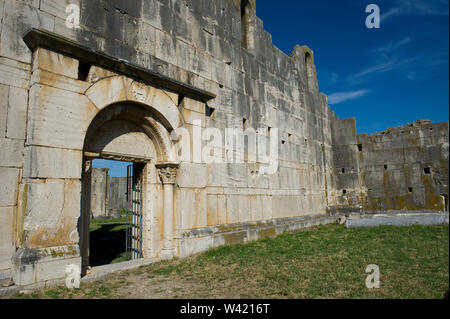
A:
117	200
99	192
108	194
400	169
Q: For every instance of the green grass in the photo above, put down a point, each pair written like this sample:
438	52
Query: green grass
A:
325	262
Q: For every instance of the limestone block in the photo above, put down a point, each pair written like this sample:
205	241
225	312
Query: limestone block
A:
97	73
267	207
189	246
222	209
244	209
59	81
55	269
147	39
11	154
58	118
56	63
14	73
17	113
232	209
19	17
193	105
6	236
57	7
191	175
165	47
285	206
119	89
227	175
257	210
192	208
51	213
191	117
212	218
8	186
46	162
4	91
62	29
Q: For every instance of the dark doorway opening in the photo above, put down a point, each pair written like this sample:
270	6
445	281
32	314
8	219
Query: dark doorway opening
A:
114	212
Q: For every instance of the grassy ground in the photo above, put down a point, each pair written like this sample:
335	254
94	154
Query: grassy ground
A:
325	262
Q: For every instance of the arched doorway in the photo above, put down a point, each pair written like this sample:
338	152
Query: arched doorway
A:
136	134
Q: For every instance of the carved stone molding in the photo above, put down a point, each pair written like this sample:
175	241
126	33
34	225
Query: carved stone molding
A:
167	172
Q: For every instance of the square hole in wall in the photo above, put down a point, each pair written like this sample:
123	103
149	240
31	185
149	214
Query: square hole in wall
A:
343	170
209	112
427	170
360	147
410	189
83	70
344	191
385	167
244	123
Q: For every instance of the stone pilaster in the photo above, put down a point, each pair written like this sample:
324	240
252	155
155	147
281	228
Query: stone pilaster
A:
168	173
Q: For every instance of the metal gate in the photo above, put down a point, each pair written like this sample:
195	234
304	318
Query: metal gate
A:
133	243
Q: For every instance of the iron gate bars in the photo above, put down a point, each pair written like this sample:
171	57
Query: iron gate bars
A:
133	242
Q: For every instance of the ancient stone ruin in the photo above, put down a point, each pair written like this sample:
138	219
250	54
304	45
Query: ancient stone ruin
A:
142	81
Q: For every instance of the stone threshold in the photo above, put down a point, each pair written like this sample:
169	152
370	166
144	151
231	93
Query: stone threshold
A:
95	273
100	272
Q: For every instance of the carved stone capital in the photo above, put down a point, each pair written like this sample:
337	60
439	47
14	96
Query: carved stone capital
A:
167	172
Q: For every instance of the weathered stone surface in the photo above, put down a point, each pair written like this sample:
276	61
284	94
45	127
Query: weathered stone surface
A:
8	186
6	231
399	220
57	7
17	113
52	211
14	73
58	118
4	92
12	152
47	162
191	175
18	18
56	63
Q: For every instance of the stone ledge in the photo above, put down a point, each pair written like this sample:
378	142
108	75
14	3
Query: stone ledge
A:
399	219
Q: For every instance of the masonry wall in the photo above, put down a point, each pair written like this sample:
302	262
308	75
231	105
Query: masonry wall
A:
108	194
406	168
45	113
400	169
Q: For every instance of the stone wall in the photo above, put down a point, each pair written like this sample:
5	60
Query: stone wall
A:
159	65
108	194
400	169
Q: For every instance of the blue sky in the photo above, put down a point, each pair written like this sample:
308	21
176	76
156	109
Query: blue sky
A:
116	168
383	77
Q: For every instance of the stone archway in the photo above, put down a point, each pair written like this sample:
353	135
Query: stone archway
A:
133	132
50	197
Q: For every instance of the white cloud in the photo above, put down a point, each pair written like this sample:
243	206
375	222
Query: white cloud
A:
340	97
416	7
393	46
390	64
